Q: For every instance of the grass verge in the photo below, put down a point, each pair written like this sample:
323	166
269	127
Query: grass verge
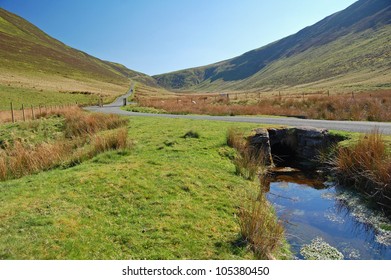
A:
170	197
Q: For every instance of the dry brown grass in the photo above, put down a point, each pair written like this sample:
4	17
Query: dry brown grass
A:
114	140
3	166
260	227
20	160
79	123
365	106
249	163
85	135
367	166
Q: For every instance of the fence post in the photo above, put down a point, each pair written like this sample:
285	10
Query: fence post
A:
40	109
12	112
24	116
328	93
32	112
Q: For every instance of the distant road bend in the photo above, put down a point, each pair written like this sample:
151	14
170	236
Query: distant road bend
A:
352	126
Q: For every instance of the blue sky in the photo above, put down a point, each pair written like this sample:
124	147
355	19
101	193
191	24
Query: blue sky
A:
158	36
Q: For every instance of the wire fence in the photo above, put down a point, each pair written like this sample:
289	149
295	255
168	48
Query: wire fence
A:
26	113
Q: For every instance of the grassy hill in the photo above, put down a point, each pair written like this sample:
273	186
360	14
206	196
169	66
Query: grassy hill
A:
32	62
347	49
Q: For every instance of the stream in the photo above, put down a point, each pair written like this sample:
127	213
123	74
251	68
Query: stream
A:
311	209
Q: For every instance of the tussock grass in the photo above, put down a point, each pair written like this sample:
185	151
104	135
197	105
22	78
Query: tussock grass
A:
248	162
260	227
114	140
3	167
85	135
367	166
21	160
78	123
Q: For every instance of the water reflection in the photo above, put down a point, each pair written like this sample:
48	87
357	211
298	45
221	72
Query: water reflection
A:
312	209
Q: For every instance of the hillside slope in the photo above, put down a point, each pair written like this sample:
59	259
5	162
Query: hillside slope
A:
31	58
349	48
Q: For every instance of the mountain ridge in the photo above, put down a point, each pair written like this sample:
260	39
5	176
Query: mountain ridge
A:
357	19
27	49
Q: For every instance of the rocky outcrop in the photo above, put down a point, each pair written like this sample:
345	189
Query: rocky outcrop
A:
298	147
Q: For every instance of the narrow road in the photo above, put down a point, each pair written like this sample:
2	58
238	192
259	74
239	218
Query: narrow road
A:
352	126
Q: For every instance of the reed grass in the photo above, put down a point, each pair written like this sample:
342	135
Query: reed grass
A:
366	166
260	227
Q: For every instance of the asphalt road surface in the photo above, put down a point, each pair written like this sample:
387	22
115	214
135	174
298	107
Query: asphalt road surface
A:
353	126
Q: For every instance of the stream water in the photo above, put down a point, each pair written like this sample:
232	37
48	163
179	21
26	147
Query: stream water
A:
312	209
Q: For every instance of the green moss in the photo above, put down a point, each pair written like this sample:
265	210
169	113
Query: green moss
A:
386	227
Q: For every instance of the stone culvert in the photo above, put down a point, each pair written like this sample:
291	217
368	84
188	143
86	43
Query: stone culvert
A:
297	147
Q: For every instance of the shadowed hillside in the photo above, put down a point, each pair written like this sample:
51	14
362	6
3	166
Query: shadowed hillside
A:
350	47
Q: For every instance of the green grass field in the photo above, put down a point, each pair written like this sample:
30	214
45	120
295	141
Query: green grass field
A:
35	97
168	197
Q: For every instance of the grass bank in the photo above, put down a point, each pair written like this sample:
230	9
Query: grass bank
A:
174	195
365	164
259	226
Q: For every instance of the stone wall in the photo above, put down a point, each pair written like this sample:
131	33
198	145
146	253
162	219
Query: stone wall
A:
298	146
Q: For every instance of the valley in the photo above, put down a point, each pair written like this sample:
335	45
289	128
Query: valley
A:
172	175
